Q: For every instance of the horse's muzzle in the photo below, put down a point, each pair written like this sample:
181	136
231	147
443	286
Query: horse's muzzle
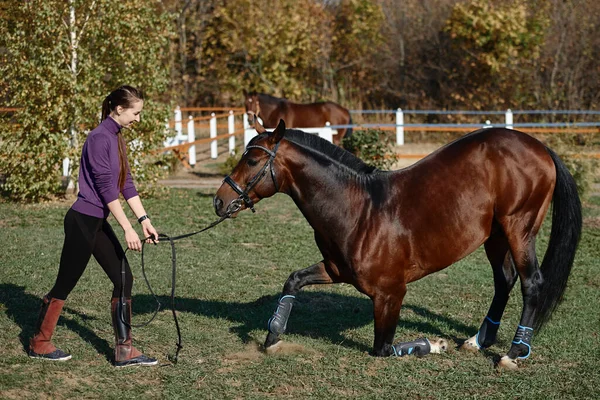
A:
230	210
218	204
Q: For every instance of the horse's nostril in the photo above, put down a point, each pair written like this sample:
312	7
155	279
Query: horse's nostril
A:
218	203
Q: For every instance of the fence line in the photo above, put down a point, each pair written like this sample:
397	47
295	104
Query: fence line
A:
180	142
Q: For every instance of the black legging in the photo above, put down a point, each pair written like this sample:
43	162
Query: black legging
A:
84	236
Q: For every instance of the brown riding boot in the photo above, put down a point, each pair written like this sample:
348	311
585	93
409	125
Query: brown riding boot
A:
40	345
125	353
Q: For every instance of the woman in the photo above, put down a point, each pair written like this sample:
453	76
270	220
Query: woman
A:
103	174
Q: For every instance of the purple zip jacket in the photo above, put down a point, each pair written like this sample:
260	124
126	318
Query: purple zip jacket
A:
99	172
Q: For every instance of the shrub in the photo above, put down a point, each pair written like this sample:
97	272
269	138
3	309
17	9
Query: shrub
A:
373	147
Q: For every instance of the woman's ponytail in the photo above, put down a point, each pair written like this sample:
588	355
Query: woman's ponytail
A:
105	108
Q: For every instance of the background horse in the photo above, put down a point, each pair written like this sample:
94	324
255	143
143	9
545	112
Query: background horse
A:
314	115
381	230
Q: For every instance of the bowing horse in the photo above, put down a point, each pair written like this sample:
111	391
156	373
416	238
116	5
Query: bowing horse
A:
314	115
381	230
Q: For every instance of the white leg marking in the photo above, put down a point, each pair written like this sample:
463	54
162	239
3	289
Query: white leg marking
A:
438	346
471	344
507	363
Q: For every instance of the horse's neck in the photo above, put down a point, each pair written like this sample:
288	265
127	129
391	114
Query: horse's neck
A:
323	199
269	106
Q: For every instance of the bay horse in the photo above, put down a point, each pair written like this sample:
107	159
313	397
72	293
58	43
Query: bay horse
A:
314	115
380	230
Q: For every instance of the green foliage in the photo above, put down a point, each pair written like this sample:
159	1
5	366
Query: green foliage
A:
59	84
267	48
356	40
299	49
373	147
495	36
495	42
583	170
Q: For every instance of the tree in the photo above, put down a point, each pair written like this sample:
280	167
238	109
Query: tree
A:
497	48
60	60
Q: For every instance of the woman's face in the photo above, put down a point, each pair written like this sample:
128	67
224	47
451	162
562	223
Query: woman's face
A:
128	116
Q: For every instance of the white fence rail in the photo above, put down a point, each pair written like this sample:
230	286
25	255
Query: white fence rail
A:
400	126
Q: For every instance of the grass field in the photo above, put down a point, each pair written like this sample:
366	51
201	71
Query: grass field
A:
229	280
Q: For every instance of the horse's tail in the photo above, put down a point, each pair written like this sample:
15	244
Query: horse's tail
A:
564	238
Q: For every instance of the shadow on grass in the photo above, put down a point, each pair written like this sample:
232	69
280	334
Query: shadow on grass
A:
23	308
315	314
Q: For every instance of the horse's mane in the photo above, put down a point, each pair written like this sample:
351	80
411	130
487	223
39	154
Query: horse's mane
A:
334	154
269	99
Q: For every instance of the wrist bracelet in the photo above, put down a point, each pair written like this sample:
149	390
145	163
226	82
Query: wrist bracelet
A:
142	218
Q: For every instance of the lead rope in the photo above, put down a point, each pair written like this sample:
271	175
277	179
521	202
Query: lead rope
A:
233	207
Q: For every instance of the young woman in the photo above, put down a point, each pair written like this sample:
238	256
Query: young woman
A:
103	175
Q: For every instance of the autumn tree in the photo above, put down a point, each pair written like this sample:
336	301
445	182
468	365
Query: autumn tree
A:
60	59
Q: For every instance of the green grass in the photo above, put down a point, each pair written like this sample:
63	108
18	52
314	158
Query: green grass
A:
229	280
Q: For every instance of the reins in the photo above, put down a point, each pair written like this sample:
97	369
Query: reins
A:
233	207
163	238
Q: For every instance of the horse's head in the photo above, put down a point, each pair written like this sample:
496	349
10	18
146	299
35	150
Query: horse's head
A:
252	105
254	177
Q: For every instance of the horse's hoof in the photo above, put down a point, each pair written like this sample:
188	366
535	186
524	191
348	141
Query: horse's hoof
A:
438	346
274	348
507	363
470	345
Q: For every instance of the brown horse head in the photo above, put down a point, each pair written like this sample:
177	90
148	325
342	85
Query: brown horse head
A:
251	103
248	183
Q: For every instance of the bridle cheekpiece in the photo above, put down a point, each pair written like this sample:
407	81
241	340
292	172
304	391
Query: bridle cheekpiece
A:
243	198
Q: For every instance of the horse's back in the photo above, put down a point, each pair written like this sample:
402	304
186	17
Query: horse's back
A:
452	197
317	114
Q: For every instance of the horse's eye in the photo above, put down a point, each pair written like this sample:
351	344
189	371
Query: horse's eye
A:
252	163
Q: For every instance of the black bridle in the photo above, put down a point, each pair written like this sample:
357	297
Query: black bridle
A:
236	204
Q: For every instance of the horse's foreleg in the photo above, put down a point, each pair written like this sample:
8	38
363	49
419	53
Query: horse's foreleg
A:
505	276
313	275
386	311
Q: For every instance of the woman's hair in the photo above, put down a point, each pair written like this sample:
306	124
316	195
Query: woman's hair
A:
123	96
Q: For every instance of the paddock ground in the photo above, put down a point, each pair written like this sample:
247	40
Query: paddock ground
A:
229	280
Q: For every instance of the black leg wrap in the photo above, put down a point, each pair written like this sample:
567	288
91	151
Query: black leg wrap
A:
487	333
419	347
278	322
521	347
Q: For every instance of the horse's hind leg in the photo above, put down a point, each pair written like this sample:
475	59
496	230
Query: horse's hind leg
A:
531	285
505	276
313	275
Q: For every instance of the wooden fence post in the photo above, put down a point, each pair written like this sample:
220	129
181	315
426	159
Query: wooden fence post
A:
231	130
213	133
191	138
509	119
399	126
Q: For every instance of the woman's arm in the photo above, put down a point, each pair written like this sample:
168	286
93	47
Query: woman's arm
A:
135	203
131	236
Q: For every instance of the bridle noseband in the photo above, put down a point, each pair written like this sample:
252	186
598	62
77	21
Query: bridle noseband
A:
236	204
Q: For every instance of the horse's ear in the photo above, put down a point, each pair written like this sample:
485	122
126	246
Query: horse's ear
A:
278	132
245	93
259	128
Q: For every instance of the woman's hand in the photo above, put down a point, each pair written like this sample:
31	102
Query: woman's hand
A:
149	231
133	240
